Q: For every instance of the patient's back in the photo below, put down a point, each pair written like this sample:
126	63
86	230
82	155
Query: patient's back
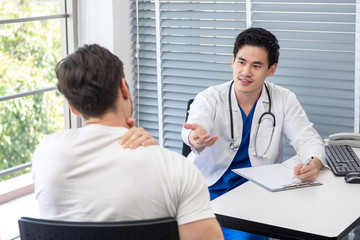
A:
84	174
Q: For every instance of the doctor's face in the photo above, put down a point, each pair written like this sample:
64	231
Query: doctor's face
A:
250	69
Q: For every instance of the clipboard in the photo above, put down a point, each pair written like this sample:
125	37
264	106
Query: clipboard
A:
273	177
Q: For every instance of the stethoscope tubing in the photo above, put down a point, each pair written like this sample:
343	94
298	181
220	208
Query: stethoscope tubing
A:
234	145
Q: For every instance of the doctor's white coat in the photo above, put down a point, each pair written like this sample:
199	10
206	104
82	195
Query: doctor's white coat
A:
211	109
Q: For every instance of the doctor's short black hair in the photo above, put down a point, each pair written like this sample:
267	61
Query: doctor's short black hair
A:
259	37
90	79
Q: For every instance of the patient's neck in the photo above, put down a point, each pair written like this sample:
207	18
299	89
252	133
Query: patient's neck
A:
111	119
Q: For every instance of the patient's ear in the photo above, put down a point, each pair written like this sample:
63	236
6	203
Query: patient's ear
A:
74	111
124	89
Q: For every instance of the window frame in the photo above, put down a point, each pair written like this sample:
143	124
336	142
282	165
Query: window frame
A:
69	42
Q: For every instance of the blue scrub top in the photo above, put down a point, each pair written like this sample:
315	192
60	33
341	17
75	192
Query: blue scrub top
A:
229	179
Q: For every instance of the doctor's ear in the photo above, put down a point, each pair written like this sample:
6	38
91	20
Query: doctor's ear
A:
272	69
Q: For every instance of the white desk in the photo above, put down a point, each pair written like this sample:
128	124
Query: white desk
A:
329	211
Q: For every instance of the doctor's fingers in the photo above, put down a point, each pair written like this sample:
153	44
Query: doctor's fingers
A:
202	138
308	174
195	127
297	169
309	168
210	141
307	177
203	141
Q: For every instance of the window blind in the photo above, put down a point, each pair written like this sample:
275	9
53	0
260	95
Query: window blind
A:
317	41
317	57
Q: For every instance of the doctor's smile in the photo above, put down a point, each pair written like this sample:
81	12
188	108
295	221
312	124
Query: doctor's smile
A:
245	81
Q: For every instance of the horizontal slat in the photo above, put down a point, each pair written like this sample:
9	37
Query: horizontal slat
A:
150	38
310	63
197	49
305	1
178	116
173	133
305	17
326	129
201	23
189	83
147	70
284	35
144	14
175	103
148	22
195	65
202	57
203	32
175	96
318	46
143	5
314	73
302	26
199	1
304	7
144	30
189	73
152	117
317	82
336	121
199	40
202	6
146	62
202	15
173	120
316	55
326	110
143	53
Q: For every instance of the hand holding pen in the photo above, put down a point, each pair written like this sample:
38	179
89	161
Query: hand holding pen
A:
305	164
308	171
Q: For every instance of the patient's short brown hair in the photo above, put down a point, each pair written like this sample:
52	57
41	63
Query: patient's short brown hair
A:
89	79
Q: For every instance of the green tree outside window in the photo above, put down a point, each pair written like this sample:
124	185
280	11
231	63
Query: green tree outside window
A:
28	55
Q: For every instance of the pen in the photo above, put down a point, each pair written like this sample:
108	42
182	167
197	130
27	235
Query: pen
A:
306	163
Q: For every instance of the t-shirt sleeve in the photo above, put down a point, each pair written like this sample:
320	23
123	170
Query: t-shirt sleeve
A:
191	195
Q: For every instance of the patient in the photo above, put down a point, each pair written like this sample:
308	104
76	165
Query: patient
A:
84	174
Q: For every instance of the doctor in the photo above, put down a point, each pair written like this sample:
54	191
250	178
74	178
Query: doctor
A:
241	123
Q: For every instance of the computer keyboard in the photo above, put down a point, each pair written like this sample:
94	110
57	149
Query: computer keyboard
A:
342	159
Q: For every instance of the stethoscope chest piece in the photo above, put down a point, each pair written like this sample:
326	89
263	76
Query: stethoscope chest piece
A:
234	145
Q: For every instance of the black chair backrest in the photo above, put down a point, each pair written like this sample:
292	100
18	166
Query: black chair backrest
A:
186	149
159	229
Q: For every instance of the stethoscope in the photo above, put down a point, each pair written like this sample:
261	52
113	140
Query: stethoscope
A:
234	145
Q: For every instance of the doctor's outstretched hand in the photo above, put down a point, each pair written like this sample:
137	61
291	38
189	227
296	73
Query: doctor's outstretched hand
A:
309	172
198	136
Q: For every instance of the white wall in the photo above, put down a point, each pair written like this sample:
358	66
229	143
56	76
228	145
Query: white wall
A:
95	23
107	23
122	36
